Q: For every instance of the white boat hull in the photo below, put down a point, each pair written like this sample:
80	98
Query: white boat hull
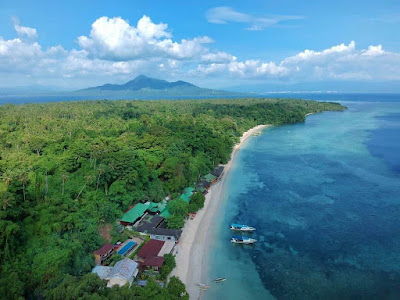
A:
249	241
249	229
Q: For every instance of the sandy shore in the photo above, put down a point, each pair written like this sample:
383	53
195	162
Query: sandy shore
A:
192	244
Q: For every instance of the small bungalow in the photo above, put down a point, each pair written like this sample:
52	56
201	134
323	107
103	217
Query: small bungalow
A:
140	210
134	214
186	194
122	273
150	249
204	184
165	213
202	190
154	227
218	171
210	178
103	253
151	256
156	208
154	263
164	234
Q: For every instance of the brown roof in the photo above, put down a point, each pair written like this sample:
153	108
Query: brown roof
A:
104	249
151	248
155	261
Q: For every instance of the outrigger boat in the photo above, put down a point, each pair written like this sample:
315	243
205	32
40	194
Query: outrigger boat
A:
242	240
203	286
220	279
239	227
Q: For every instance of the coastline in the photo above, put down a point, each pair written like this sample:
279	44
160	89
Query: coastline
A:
193	242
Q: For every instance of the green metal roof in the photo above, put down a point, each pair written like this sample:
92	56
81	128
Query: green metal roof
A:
209	177
162	205
153	207
157	207
200	189
134	213
165	213
185	197
187	193
189	190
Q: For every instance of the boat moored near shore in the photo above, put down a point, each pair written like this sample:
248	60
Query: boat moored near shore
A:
240	227
242	240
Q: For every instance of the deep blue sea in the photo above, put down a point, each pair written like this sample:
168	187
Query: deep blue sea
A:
324	196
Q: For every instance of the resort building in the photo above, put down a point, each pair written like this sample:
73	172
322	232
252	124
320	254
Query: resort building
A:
122	273
154	263
103	253
187	193
140	210
151	256
155	227
218	172
150	249
210	178
134	214
203	186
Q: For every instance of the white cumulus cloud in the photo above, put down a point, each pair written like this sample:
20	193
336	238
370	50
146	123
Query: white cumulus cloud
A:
115	39
342	62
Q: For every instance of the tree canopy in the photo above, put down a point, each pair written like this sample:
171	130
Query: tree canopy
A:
67	169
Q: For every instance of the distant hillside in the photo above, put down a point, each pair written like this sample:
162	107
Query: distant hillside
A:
143	87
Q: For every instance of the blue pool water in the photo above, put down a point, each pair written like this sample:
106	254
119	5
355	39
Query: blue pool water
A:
126	248
324	196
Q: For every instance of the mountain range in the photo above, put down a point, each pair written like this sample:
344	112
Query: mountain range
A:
143	87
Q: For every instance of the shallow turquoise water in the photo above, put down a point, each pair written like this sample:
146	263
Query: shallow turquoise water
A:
325	199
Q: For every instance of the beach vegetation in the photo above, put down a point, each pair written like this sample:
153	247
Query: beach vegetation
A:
196	202
168	266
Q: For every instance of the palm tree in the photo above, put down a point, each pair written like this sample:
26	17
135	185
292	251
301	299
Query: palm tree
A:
87	180
7	200
7	176
64	179
23	178
100	171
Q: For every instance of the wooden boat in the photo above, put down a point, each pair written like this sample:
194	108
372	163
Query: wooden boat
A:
220	279
242	240
240	227
203	286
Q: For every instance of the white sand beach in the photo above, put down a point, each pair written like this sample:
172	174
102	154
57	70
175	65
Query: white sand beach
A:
192	244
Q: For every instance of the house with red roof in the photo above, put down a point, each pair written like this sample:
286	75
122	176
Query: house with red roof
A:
150	249
154	262
103	253
151	256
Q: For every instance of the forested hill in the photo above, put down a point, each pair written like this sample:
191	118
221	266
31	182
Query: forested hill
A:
143	87
68	169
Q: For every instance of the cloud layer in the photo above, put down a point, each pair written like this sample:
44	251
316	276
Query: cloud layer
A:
115	50
225	15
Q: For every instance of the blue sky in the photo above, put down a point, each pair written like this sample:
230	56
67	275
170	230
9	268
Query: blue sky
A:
273	45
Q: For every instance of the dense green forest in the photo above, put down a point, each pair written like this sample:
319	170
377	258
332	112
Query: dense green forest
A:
68	169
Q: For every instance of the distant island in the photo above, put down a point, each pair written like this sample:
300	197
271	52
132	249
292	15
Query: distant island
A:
140	88
143	87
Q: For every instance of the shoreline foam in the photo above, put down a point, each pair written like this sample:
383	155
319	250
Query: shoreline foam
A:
193	242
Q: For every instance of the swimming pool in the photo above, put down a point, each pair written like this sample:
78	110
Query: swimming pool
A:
127	248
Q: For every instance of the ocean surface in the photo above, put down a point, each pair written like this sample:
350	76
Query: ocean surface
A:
324	196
